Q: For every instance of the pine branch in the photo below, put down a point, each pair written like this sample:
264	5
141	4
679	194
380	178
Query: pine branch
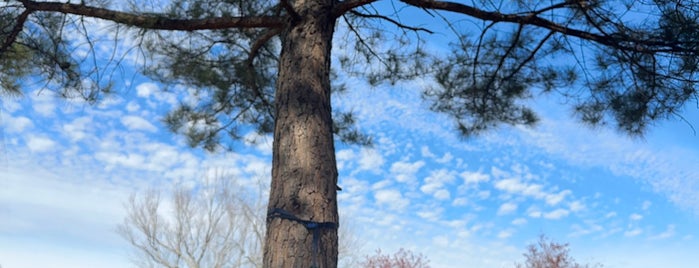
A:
156	22
343	7
398	24
619	40
12	37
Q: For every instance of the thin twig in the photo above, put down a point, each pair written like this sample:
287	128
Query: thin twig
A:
398	24
361	40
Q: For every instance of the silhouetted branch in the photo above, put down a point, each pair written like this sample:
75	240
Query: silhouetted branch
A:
398	24
12	37
156	22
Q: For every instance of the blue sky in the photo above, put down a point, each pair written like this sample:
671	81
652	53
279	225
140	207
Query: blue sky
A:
67	167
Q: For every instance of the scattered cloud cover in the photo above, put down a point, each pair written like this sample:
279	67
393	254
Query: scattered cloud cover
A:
66	168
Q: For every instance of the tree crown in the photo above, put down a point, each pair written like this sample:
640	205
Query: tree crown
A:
629	63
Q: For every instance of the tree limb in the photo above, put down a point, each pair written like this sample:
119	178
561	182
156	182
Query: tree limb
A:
398	24
15	31
155	22
259	43
342	7
617	41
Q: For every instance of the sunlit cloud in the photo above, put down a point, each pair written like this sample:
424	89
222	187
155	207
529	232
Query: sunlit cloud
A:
556	214
404	172
391	198
635	217
137	123
668	233
507	208
633	232
39	144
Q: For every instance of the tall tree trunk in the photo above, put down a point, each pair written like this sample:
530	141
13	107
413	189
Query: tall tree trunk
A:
301	226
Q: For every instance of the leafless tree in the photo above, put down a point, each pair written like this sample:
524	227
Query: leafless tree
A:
401	259
349	245
549	254
215	223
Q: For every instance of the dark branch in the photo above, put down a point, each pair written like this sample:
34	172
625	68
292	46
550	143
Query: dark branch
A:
15	31
618	41
342	7
509	50
530	57
555	6
156	22
363	42
289	9
398	24
259	43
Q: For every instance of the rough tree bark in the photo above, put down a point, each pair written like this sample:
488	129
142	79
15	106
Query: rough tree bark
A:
304	172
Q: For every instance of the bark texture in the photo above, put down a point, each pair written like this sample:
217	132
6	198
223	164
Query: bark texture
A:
304	172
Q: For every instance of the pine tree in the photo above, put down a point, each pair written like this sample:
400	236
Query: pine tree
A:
267	64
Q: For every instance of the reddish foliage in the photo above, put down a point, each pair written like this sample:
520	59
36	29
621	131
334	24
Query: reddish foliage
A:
549	254
401	259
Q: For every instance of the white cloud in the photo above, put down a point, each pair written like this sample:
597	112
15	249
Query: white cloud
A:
460	201
431	213
668	233
474	177
442	194
519	221
636	217
505	233
133	122
610	214
436	181
391	198
405	171
633	232
40	144
576	206
261	142
445	158
129	160
483	194
534	212
554	199
646	205
507	208
44	103
588	228
16	124
380	185
371	160
556	214
344	157
426	153
668	169
534	190
132	106
441	241
82	212
78	128
10	106
515	186
145	90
